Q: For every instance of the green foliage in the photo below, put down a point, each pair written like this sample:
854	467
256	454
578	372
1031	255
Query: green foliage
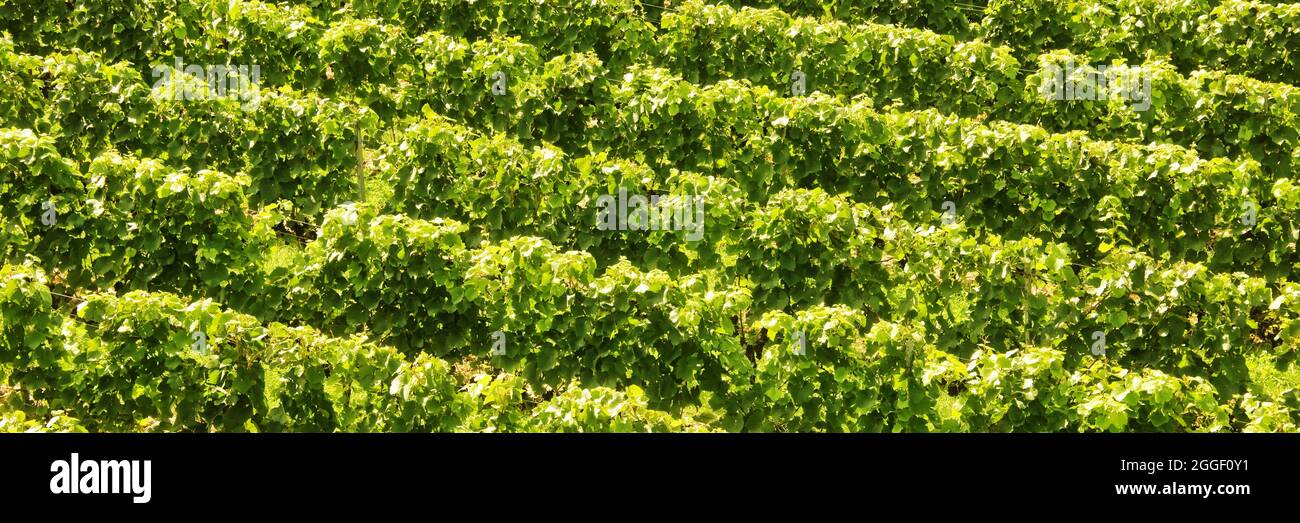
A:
918	240
708	43
135	362
392	275
1033	389
940	16
845	378
604	410
1249	37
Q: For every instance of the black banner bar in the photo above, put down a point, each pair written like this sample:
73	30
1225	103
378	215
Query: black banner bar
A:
324	472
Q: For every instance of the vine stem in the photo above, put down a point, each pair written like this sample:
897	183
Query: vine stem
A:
360	169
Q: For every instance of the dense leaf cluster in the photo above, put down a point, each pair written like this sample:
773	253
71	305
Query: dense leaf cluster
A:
918	242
